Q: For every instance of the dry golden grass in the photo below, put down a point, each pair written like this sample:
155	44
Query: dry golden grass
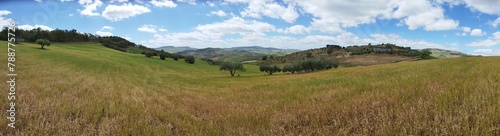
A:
87	89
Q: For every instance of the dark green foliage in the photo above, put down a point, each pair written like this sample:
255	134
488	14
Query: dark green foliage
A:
148	54
426	54
264	58
143	52
292	68
175	57
309	54
43	42
314	65
271	57
211	62
163	56
269	69
232	67
189	59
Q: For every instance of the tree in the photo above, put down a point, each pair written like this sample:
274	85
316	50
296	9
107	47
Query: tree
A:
175	57
232	67
292	68
329	51
162	56
264	58
43	42
189	59
271	57
269	69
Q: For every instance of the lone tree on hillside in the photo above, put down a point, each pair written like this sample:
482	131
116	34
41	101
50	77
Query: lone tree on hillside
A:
43	42
269	69
232	67
189	59
264	58
163	56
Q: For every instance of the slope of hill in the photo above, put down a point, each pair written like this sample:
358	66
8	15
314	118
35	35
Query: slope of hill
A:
222	54
363	55
173	49
264	50
441	53
87	89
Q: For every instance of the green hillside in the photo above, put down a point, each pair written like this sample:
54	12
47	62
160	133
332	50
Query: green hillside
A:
440	53
88	89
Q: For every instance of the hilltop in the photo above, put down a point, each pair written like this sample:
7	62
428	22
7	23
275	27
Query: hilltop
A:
264	50
174	49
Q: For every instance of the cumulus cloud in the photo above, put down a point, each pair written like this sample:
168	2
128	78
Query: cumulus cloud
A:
147	28
296	29
104	33
29	27
484	6
162	30
477	32
90	7
236	25
117	13
107	28
496	22
422	14
259	8
219	13
494	40
3	21
163	3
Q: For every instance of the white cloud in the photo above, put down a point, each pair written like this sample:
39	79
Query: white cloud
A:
107	28
29	27
103	33
487	52
3	21
38	0
218	13
147	28
90	7
192	2
422	14
211	4
66	0
398	40
494	40
477	32
236	25
119	1
296	29
496	22
70	15
162	30
117	13
466	29
484	6
163	3
259	8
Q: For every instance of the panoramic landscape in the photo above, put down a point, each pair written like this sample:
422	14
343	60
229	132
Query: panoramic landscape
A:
250	67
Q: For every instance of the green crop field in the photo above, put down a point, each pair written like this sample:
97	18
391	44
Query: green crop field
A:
87	89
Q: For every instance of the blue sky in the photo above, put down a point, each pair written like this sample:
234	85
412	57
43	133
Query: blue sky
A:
470	26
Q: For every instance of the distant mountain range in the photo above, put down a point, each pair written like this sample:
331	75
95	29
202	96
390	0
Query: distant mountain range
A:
254	49
223	54
441	53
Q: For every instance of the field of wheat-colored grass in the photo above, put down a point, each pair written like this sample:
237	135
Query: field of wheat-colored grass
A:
87	89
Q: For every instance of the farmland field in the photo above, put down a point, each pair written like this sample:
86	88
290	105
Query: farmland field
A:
87	89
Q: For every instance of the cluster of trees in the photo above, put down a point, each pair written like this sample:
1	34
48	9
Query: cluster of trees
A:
163	55
117	43
309	65
56	35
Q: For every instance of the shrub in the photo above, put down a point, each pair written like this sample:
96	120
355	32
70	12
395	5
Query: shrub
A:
189	59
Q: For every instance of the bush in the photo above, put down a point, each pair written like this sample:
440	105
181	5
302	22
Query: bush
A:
175	57
292	68
189	59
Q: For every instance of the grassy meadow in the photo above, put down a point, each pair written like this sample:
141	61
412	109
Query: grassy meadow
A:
87	89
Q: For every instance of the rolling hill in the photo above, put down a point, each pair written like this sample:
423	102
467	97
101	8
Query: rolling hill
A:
264	50
87	89
441	53
219	54
174	49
